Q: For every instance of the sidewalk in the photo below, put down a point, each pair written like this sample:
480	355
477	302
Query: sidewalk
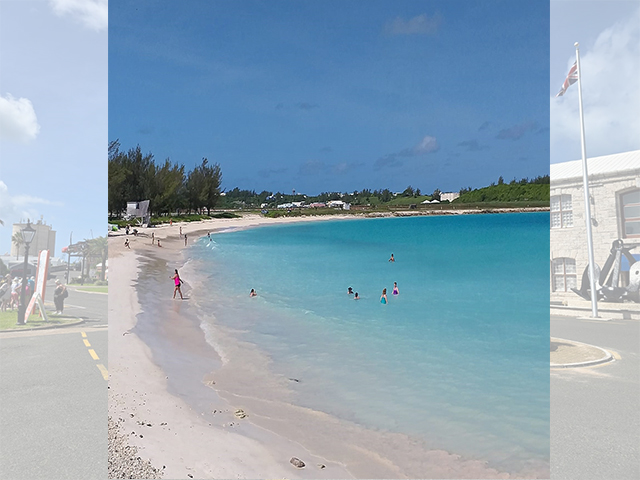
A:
574	305
567	354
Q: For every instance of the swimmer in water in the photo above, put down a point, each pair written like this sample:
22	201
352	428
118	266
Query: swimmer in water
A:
395	289
350	291
356	297
253	293
383	297
392	259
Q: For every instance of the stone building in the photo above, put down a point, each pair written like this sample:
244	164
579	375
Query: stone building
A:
44	239
614	190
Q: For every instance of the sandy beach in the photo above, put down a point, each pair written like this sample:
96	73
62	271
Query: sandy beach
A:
176	400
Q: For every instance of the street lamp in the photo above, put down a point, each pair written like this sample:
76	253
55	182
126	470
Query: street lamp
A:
27	237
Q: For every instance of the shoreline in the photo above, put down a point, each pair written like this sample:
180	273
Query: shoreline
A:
361	454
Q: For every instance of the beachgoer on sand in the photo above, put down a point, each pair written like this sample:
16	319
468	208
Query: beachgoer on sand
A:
159	243
395	289
126	243
392	259
350	291
185	239
181	230
356	297
178	283
253	293
383	297
152	238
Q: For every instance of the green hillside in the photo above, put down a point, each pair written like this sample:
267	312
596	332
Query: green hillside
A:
507	193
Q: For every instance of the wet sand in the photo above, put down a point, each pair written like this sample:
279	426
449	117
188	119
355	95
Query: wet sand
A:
165	374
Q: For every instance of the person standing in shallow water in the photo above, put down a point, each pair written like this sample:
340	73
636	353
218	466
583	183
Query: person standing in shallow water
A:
185	239
178	283
383	297
392	259
395	288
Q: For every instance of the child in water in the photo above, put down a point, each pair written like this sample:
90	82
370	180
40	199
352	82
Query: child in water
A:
253	293
356	297
350	290
383	297
395	289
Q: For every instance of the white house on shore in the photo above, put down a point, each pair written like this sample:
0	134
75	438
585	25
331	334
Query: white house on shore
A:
339	204
614	188
451	196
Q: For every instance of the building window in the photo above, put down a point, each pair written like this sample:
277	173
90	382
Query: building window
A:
564	274
561	211
631	214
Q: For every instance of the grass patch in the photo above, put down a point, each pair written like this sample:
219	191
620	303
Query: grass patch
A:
9	320
98	289
164	219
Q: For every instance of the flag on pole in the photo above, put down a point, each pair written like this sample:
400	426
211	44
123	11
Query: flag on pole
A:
572	78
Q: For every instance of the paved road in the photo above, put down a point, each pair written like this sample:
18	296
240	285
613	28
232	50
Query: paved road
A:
90	306
53	397
595	412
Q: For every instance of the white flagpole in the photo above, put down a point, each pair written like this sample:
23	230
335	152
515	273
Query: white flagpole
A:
587	203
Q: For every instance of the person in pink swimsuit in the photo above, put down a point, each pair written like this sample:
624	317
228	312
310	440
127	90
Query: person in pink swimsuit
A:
178	282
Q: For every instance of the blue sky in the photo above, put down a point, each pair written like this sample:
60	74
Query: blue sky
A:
53	117
335	95
609	36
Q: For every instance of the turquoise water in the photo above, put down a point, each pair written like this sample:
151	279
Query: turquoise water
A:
459	358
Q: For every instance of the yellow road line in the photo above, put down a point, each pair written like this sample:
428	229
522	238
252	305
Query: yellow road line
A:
83	334
93	354
103	370
86	343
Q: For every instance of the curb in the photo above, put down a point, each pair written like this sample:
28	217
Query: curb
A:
608	357
566	310
47	327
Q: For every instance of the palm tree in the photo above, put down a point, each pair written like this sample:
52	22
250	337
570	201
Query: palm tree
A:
17	239
100	247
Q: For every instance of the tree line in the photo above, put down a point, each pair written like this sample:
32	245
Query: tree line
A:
134	177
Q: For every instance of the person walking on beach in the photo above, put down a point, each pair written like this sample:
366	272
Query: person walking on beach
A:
253	293
395	289
126	243
180	229
178	283
185	239
392	259
383	297
153	238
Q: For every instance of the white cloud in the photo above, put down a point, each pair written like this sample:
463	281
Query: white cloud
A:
427	145
611	97
20	207
18	120
419	25
94	14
